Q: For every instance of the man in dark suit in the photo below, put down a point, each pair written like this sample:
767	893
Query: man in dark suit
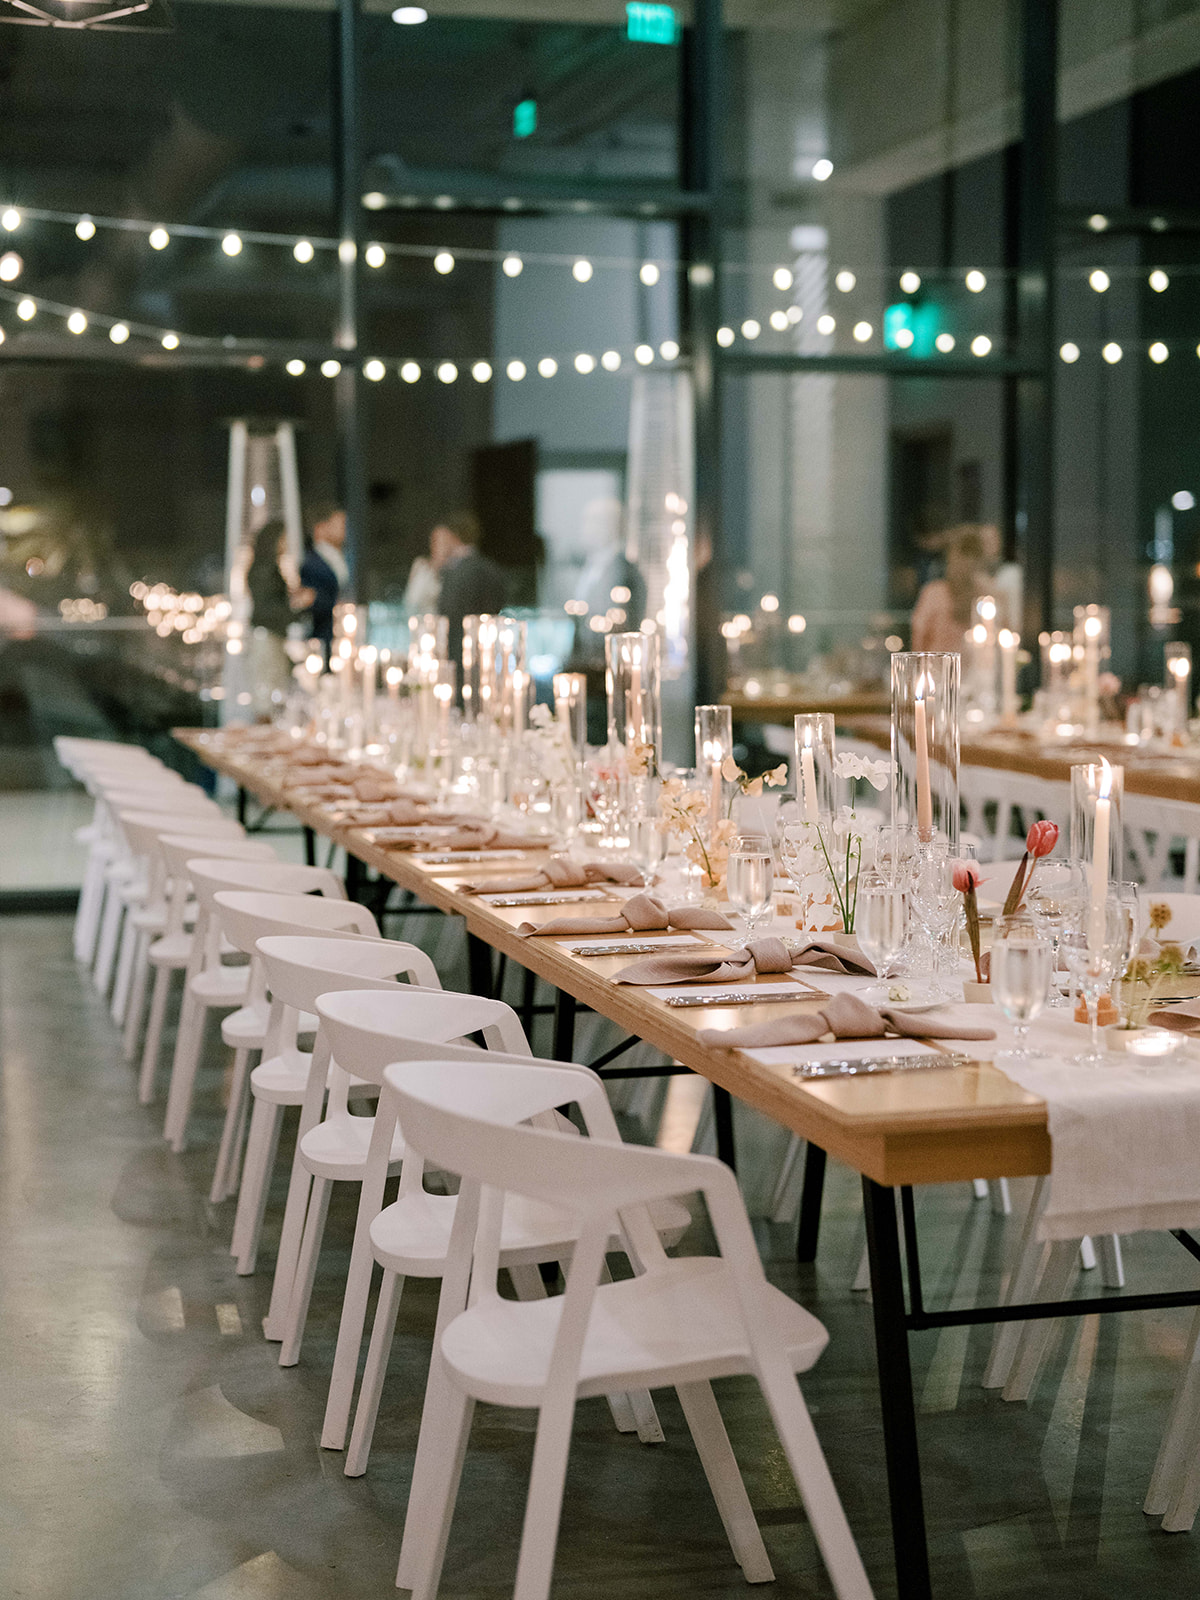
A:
324	571
471	584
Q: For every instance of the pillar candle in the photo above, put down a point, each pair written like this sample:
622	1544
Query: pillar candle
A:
714	803
1100	835
1009	704
924	797
808	772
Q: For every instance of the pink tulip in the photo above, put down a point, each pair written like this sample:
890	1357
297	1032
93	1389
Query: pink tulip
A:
1043	836
967	877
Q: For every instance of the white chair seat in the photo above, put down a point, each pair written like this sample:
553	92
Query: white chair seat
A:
150	919
246	1028
171	951
281	1079
221	985
338	1148
684	1318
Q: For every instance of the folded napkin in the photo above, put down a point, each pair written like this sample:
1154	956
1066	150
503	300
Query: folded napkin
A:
832	957
711	964
310	757
641	913
310	775
560	872
471	835
846	1017
1182	1019
373	786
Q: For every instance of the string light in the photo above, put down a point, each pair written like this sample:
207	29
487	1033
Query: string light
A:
783	279
119	332
779	321
648	273
863	331
903	338
170	341
296	367
751	329
375	255
10	266
585	363
347	251
1158	352
945	343
515	370
643	355
822	169
77	322
303	251
582	271
725	337
1099	280
1069	353
845	281
375	371
547	366
159	239
611	361
410	372
1112	353
910	282
482	371
443	262
669	350
11	219
330	369
231	244
975	281
825	324
85	228
981	345
1159	280
512	266
447	372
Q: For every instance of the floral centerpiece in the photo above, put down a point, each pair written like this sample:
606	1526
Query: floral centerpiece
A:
1154	963
824	858
549	748
1040	840
689	814
967	878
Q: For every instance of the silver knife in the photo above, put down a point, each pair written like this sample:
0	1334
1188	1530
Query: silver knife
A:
625	949
745	997
873	1064
543	899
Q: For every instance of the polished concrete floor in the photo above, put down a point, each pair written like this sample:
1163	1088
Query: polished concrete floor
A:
151	1447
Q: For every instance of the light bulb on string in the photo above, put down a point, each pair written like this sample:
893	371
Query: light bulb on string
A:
410	372
85	229
443	262
119	332
945	343
515	370
482	372
585	363
725	337
981	345
783	279
303	251
512	266
10	219
751	329
232	244
347	251
547	366
779	321
1069	353
77	322
330	368
159	239
649	274
1112	353
10	266
447	372
582	270
1099	280
975	281
845	281
669	350
1158	352
374	371
1159	281
375	255
862	332
170	341
611	361
910	282
295	367
643	355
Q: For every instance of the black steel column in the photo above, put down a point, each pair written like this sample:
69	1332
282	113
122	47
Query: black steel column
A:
1032	429
700	302
348	384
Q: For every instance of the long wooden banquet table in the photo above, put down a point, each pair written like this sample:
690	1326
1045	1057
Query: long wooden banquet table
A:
897	1131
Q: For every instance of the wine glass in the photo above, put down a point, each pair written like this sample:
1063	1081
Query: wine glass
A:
881	919
604	795
802	860
647	844
1129	910
935	902
1094	946
895	850
1053	900
1021	971
750	878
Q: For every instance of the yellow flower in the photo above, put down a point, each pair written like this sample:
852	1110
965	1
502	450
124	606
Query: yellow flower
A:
1160	915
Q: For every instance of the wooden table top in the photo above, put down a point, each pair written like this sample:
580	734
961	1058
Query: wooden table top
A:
927	1127
1158	776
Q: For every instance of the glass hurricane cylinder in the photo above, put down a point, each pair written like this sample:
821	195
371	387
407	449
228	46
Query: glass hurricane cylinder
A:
714	741
1177	679
812	774
428	637
925	686
1092	640
1097	837
479	667
632	665
512	680
1057	661
570	708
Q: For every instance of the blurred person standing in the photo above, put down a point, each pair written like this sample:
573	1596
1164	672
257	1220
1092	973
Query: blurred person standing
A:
324	572
945	606
471	584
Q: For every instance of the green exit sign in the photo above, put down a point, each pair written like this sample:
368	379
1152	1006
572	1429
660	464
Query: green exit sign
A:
524	118
651	24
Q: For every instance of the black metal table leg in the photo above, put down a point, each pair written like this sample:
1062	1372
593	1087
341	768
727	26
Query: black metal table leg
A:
355	877
241	804
310	847
564	1026
479	965
811	1193
723	1119
527	988
896	1394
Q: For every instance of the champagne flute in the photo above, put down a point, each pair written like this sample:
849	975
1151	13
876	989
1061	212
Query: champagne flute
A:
881	920
1021	971
750	878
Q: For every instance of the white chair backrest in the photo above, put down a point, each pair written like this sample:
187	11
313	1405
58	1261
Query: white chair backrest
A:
248	915
366	1032
300	969
268	877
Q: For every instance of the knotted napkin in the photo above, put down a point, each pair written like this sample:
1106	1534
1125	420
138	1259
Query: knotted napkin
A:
560	872
471	834
1180	1019
846	1017
641	913
712	964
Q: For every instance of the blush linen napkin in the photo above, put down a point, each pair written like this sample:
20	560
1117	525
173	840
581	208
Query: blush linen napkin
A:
846	1017
712	965
560	872
641	913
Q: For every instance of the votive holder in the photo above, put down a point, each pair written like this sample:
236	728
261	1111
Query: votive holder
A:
1097	795
1177	678
925	689
714	741
632	669
813	774
570	708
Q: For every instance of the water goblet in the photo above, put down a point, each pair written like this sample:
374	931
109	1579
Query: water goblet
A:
1053	900
881	920
750	878
1094	947
1020	972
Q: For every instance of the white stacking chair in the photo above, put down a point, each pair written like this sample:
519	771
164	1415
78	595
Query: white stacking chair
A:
209	985
411	1238
1154	829
364	1033
1174	1493
298	970
173	950
679	1322
279	1079
272	1026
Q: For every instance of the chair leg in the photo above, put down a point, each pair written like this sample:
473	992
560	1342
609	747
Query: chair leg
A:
265	1122
371	1389
725	1480
136	1009
184	1068
1000	1197
543	1507
980	1188
1061	1260
306	1271
88	916
154	1032
1179	1441
350	1331
290	1239
106	948
441	1448
1087	1254
811	1472
235	1112
130	937
1022	1276
1112	1267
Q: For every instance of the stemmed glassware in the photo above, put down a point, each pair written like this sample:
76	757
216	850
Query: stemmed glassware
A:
604	794
1053	901
936	904
1094	962
881	919
1021	969
750	878
1126	896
